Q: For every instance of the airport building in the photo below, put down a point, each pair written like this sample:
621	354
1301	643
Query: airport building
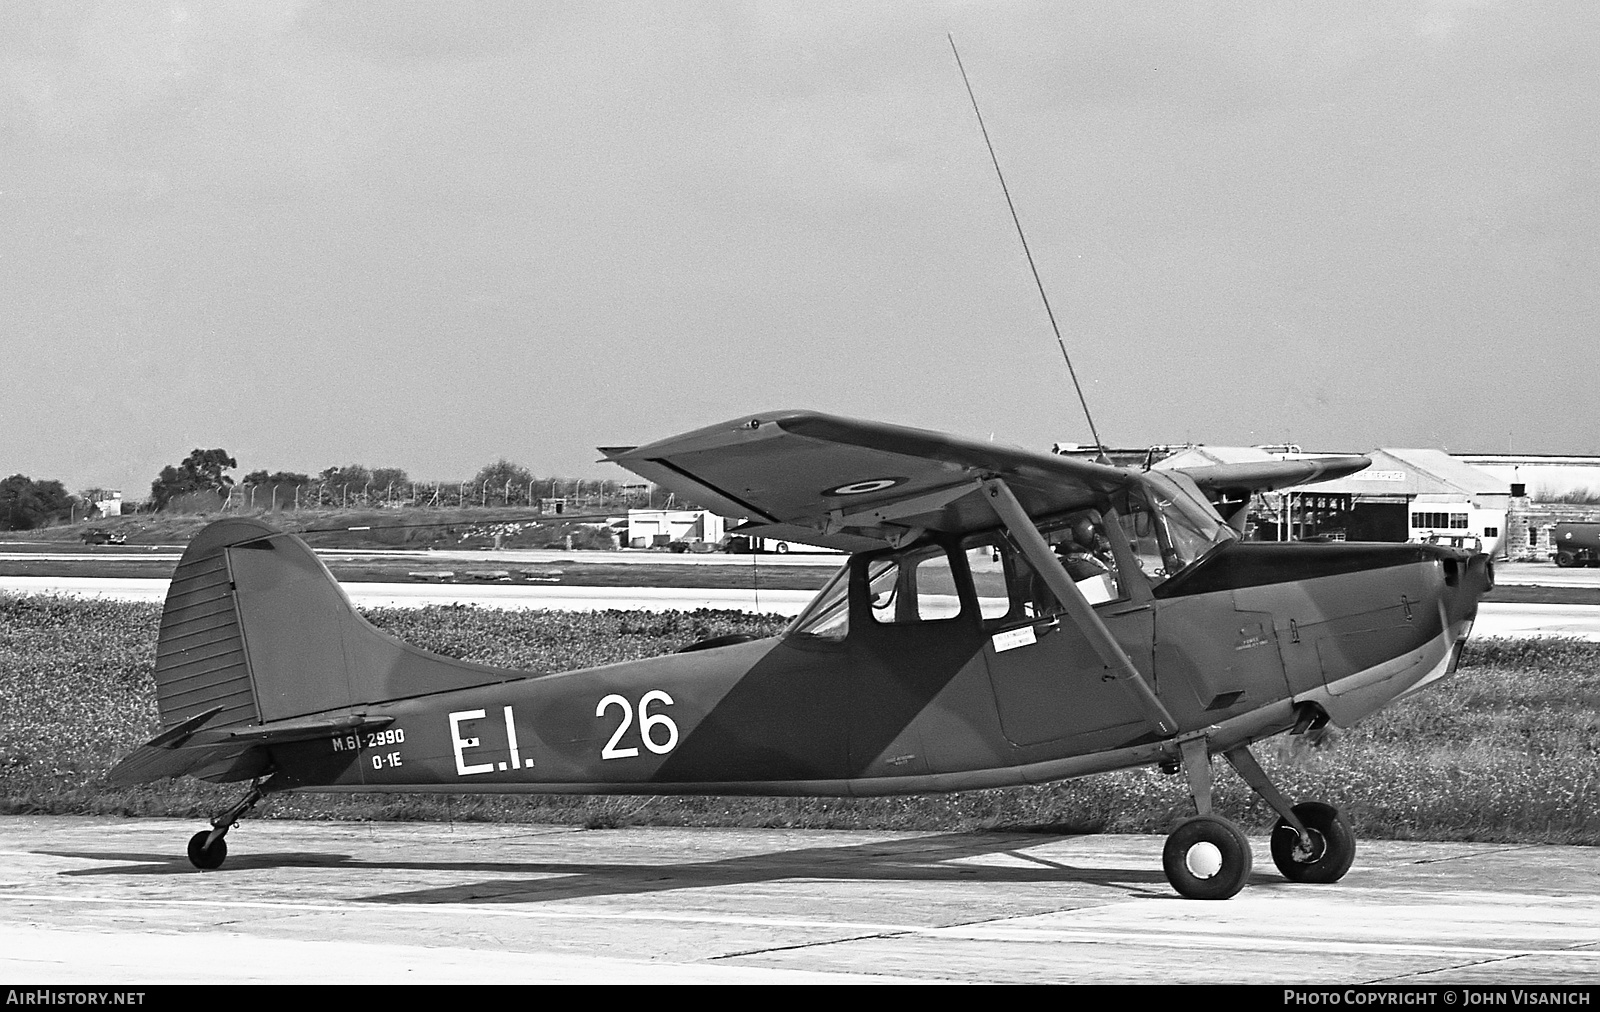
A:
1404	495
1547	489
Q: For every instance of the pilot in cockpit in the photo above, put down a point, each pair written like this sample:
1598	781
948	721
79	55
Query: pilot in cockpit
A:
1086	556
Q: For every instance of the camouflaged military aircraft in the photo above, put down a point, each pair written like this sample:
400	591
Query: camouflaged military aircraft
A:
1005	617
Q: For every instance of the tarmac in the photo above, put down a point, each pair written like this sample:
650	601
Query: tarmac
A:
107	901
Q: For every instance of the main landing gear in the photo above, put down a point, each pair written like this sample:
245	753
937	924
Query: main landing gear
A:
1208	858
208	848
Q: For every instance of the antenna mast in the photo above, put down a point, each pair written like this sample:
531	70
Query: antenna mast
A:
1060	343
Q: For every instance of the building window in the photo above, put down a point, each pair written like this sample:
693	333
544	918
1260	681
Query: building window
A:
1491	532
1533	536
1456	521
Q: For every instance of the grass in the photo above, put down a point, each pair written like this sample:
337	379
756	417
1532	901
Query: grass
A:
411	527
1507	750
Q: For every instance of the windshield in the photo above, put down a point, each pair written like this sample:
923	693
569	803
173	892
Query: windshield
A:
1169	528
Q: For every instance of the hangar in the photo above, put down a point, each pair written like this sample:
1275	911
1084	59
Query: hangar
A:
1405	495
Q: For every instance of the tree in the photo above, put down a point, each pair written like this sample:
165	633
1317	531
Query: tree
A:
201	471
276	478
383	477
354	475
25	503
492	480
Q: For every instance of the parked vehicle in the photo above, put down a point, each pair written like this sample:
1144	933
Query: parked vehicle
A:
1576	544
1452	539
101	536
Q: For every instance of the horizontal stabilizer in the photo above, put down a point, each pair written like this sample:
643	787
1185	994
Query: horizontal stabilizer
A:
156	762
173	737
190	746
285	731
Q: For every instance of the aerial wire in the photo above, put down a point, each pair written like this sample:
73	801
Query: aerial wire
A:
1060	342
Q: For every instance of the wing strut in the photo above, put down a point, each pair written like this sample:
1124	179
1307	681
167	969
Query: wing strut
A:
1044	561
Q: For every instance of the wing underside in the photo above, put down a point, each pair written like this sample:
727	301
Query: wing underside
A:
1267	475
851	484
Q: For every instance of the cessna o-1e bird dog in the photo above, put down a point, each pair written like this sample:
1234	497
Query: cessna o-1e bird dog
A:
1005	618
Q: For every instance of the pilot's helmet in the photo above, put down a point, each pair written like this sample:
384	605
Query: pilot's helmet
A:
1083	532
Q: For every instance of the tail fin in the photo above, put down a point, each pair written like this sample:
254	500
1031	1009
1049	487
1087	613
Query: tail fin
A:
255	624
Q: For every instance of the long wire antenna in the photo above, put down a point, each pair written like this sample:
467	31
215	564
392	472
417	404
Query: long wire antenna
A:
1060	343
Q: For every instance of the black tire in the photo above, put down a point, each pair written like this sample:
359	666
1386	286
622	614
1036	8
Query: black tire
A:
1333	854
783	548
1207	858
1563	560
207	858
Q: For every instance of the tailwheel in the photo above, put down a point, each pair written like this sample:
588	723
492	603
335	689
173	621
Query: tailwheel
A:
207	858
1332	846
1207	858
207	848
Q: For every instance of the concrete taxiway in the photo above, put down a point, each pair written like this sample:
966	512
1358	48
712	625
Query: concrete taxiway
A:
109	901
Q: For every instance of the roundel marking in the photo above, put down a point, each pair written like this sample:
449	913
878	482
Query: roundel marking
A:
863	487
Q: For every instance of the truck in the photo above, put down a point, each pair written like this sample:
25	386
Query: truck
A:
1576	544
743	544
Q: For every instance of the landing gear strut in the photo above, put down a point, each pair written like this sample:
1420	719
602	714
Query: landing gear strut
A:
208	848
1311	842
1208	858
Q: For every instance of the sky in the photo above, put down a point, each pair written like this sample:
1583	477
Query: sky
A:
431	235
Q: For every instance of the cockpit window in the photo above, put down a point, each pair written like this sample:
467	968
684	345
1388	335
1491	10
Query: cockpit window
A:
1011	590
917	586
827	617
1169	530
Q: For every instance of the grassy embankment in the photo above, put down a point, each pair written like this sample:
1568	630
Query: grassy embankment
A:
1507	750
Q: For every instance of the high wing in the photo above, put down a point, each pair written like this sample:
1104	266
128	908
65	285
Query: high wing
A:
1266	475
1230	487
854	485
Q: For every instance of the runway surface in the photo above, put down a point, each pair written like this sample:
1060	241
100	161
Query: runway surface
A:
113	901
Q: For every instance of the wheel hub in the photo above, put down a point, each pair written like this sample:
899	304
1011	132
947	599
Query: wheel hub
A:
1313	853
1203	860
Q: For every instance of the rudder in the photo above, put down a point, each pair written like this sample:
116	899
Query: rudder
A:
256	624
